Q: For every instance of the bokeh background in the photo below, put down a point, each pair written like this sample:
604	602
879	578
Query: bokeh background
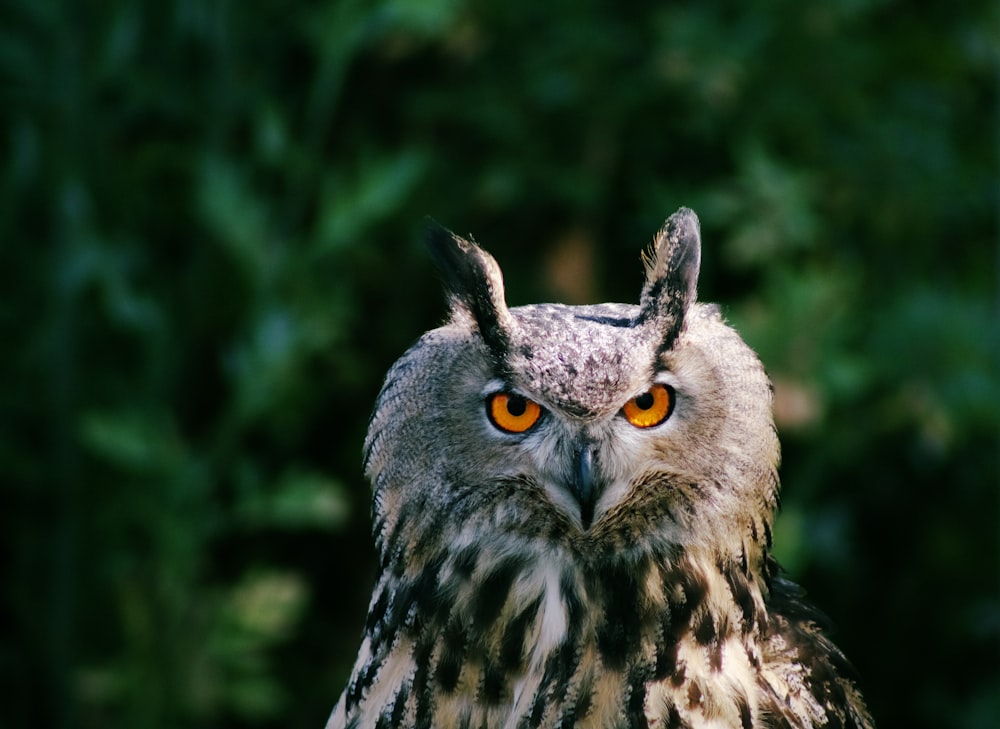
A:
210	252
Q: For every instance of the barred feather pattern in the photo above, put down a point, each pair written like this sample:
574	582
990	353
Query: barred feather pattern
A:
550	627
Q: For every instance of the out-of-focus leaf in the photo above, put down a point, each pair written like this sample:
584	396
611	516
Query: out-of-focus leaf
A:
430	17
300	499
239	219
769	207
267	604
131	440
351	205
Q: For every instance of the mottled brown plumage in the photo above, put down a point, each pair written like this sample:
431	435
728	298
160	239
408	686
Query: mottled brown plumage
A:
573	510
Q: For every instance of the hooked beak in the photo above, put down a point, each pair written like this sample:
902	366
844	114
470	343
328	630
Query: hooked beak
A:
582	484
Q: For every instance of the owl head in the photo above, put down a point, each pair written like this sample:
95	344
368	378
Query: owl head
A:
598	430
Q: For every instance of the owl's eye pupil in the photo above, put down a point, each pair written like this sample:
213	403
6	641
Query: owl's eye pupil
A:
644	401
516	405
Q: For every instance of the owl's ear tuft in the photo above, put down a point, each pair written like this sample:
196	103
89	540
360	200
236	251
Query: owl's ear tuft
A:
474	285
672	275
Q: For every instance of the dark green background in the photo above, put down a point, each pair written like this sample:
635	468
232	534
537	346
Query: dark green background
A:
210	218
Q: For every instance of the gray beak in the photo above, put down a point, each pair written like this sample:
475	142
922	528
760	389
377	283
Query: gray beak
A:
582	484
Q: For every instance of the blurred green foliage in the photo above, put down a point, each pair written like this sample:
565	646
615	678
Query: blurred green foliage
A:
211	213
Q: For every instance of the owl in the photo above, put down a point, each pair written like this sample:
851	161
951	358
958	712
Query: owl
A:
573	511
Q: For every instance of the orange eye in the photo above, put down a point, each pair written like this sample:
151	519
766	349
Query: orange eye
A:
512	413
651	407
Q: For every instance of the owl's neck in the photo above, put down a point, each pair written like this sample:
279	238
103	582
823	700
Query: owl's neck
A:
536	633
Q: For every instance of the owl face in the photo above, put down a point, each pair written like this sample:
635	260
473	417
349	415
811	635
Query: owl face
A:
595	427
